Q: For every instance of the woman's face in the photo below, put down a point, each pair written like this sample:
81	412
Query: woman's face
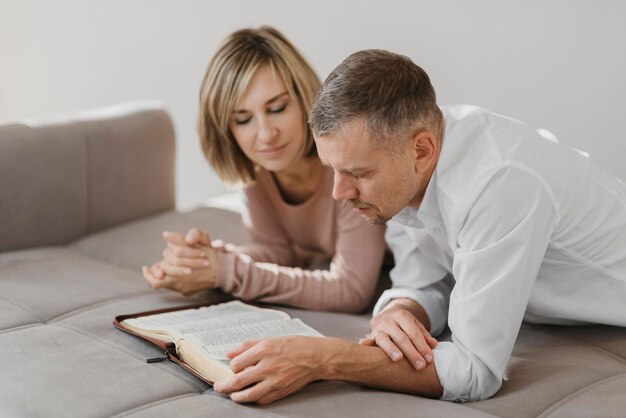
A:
267	122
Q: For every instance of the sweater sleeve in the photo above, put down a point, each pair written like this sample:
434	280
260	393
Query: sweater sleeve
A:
262	271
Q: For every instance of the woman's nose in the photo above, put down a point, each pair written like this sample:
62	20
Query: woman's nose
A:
267	131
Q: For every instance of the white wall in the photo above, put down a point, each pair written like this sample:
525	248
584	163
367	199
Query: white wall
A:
558	65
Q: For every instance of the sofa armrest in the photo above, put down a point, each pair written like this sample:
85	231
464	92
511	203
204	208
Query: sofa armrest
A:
63	178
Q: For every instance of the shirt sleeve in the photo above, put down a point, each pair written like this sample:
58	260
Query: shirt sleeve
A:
501	246
416	276
263	270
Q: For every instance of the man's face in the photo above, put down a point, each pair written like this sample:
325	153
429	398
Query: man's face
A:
371	180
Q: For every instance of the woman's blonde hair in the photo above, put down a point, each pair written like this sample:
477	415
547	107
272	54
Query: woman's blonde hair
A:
237	59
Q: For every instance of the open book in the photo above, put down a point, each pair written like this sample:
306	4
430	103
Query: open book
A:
199	338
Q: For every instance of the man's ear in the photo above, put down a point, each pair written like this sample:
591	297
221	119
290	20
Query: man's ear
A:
425	150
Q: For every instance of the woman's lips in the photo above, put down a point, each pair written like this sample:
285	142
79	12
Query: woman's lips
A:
272	152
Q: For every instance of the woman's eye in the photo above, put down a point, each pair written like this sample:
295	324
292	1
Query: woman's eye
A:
242	121
278	109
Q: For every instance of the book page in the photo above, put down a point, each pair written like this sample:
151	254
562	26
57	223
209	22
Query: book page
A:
237	320
228	314
215	343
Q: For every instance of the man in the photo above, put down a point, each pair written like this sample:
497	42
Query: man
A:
493	223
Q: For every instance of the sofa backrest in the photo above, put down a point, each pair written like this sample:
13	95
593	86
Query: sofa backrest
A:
65	177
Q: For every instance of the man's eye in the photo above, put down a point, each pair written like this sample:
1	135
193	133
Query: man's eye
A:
358	176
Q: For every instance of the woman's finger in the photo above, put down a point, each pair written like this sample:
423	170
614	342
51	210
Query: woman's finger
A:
152	281
185	251
184	261
196	236
172	270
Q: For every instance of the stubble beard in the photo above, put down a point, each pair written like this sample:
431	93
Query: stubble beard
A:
378	218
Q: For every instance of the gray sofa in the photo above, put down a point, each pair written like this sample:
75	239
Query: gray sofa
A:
83	201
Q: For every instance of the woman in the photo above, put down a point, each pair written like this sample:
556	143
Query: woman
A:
254	103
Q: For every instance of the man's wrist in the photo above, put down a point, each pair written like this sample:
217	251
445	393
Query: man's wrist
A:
400	303
332	355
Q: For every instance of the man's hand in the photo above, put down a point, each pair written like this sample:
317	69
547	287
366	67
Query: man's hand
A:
270	369
188	265
399	332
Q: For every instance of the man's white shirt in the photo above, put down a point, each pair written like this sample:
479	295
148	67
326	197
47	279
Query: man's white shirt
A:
513	226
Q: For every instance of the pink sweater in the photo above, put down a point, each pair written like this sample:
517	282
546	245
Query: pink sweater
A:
288	242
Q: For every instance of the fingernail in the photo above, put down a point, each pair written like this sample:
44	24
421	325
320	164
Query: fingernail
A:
187	271
395	356
419	364
429	358
205	263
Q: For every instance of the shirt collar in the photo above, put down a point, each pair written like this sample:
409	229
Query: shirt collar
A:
428	209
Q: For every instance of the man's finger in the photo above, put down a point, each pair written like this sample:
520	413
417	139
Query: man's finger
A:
253	393
244	346
384	342
238	381
432	341
367	341
408	348
416	334
272	396
249	357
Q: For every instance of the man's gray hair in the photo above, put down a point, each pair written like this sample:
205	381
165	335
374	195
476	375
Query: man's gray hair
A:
388	91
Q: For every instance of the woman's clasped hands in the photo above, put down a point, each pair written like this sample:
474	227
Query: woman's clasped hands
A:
189	263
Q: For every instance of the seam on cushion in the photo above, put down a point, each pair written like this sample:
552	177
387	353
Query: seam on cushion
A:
609	353
96	305
21	327
153	404
553	408
72	247
132	354
23	308
597	348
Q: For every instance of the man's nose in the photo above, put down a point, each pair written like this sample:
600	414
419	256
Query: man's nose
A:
343	189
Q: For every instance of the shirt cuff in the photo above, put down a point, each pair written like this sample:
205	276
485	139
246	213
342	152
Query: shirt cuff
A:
434	303
463	377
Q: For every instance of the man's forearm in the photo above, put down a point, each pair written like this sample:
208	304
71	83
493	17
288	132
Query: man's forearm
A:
370	366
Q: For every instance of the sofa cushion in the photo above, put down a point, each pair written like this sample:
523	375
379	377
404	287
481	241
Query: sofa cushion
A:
64	177
52	282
